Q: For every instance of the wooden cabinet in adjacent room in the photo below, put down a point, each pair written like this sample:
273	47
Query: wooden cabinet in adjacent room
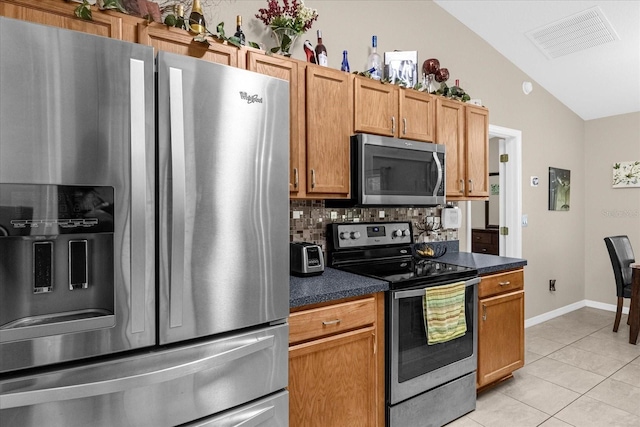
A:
388	110
485	241
464	129
329	109
336	364
500	326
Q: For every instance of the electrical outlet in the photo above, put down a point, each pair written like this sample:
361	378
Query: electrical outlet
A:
381	214
552	285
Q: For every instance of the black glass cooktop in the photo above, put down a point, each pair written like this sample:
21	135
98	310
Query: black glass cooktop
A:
411	271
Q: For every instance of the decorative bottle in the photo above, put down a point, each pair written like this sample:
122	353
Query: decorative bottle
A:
197	24
345	62
321	52
308	50
180	16
239	34
374	61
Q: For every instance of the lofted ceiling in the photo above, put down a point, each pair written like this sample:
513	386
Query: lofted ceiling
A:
585	53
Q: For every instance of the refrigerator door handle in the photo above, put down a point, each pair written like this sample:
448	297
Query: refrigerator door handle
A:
179	201
115	385
138	194
259	418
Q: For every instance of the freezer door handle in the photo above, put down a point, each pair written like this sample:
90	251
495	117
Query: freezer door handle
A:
138	194
256	418
179	201
144	379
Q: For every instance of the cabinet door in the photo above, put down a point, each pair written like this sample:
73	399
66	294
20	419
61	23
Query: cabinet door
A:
328	126
287	70
477	136
417	115
60	14
177	40
375	107
450	132
500	336
332	381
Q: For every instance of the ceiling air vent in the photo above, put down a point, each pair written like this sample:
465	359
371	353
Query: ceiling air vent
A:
578	32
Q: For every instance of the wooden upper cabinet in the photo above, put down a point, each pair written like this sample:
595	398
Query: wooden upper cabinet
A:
329	109
388	110
289	70
375	107
177	40
57	13
464	130
477	135
450	133
417	115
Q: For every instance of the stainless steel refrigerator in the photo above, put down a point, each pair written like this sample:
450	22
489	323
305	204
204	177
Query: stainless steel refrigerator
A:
144	277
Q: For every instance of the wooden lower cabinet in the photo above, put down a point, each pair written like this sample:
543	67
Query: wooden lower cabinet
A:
336	364
500	326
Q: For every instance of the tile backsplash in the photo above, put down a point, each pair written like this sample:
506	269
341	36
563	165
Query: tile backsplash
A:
308	220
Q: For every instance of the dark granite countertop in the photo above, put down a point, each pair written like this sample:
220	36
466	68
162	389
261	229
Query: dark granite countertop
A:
335	284
485	264
330	286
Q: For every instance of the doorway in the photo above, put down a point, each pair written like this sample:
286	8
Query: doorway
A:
507	192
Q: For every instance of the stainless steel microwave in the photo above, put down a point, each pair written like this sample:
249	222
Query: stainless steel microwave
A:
395	172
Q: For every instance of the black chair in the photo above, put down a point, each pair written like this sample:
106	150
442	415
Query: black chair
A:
621	254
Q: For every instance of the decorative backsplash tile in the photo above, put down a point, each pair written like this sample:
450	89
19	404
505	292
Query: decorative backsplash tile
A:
308	220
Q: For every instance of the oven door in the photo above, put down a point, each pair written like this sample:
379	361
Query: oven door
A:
414	366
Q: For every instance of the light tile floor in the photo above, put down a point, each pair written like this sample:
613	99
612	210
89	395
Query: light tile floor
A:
577	372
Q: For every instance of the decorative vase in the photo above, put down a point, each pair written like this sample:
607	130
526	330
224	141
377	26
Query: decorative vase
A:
285	39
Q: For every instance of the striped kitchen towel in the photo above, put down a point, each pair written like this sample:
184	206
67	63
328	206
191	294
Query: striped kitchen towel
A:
443	309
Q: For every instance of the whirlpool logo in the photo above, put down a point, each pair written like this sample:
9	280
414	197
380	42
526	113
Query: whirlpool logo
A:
250	98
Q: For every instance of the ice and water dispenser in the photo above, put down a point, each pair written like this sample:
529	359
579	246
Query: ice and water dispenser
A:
57	266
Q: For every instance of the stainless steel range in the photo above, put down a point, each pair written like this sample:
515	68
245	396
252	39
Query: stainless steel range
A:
429	381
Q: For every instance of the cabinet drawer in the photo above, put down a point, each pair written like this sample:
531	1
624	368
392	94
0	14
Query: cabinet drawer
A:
484	248
482	237
319	322
501	282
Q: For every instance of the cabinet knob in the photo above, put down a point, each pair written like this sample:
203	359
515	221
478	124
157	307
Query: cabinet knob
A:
295	178
404	126
313	178
393	124
331	322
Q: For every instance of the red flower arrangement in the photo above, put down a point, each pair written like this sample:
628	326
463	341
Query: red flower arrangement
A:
292	14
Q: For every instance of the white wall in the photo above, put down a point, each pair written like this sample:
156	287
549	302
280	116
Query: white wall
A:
609	211
554	242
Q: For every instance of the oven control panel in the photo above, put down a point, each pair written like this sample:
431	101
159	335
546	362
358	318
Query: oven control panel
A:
356	234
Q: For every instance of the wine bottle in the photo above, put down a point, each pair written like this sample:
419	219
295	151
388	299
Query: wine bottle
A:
197	24
239	34
308	50
321	52
345	62
180	16
374	61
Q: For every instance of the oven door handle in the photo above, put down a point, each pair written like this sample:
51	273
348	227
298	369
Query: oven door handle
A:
420	292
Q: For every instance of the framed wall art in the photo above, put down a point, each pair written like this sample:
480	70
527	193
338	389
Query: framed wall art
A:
626	174
559	189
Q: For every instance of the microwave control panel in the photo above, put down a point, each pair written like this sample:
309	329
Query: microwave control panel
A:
371	234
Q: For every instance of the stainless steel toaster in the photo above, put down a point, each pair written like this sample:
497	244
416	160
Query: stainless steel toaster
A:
306	259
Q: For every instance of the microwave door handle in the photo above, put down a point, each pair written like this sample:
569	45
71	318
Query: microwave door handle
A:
440	174
178	202
138	213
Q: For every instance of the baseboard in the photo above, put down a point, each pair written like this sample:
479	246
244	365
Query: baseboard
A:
569	308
